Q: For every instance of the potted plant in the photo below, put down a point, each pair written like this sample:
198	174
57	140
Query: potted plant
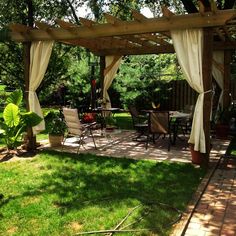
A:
197	157
55	127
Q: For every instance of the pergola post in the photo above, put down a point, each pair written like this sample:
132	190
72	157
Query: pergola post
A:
207	83
102	68
31	139
227	60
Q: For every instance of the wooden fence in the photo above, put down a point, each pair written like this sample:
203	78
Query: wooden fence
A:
178	94
181	94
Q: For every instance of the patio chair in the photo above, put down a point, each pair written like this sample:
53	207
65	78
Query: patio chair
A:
159	124
186	124
76	128
140	122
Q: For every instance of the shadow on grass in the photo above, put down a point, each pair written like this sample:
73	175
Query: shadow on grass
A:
81	181
8	155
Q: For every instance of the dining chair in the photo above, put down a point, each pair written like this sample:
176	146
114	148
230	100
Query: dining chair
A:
185	124
140	122
159	124
76	128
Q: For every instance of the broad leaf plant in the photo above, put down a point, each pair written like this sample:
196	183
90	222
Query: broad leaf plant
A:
15	122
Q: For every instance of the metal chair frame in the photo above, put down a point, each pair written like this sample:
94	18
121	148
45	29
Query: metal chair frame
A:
159	124
76	128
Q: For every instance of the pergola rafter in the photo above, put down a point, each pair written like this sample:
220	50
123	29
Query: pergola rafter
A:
139	36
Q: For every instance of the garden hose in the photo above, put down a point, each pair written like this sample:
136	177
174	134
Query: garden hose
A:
119	229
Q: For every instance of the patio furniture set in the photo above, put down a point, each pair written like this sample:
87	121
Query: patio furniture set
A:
157	123
149	126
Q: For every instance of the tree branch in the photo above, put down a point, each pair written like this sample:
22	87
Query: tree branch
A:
189	6
73	12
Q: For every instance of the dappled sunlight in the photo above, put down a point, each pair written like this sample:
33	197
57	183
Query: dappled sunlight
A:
215	213
121	144
88	192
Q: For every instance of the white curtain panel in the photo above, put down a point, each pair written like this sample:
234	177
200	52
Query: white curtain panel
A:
218	73
40	53
112	65
188	45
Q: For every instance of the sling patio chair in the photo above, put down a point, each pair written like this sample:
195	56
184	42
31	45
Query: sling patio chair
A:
140	122
186	123
159	124
76	128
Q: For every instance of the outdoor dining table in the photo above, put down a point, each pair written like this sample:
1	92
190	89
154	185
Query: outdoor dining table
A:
179	117
104	112
175	117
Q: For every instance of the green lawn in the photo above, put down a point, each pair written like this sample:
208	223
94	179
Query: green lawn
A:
63	194
124	120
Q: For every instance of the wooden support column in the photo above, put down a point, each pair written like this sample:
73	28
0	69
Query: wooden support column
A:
31	139
207	83
93	86
227	60
102	68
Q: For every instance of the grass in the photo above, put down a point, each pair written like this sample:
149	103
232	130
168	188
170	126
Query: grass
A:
63	194
124	120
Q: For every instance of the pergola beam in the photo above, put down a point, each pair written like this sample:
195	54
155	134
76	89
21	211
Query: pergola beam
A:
137	51
138	16
157	49
65	25
151	25
86	22
166	12
102	43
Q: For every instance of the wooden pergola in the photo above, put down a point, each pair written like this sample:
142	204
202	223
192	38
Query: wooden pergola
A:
144	36
136	37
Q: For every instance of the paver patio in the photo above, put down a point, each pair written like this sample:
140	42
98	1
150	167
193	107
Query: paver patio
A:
121	143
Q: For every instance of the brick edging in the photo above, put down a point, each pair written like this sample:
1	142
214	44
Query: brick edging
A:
181	226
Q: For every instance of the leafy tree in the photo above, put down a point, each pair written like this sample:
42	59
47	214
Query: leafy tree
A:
11	54
141	79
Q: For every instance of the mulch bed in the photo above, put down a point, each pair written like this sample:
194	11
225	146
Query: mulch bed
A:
19	154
